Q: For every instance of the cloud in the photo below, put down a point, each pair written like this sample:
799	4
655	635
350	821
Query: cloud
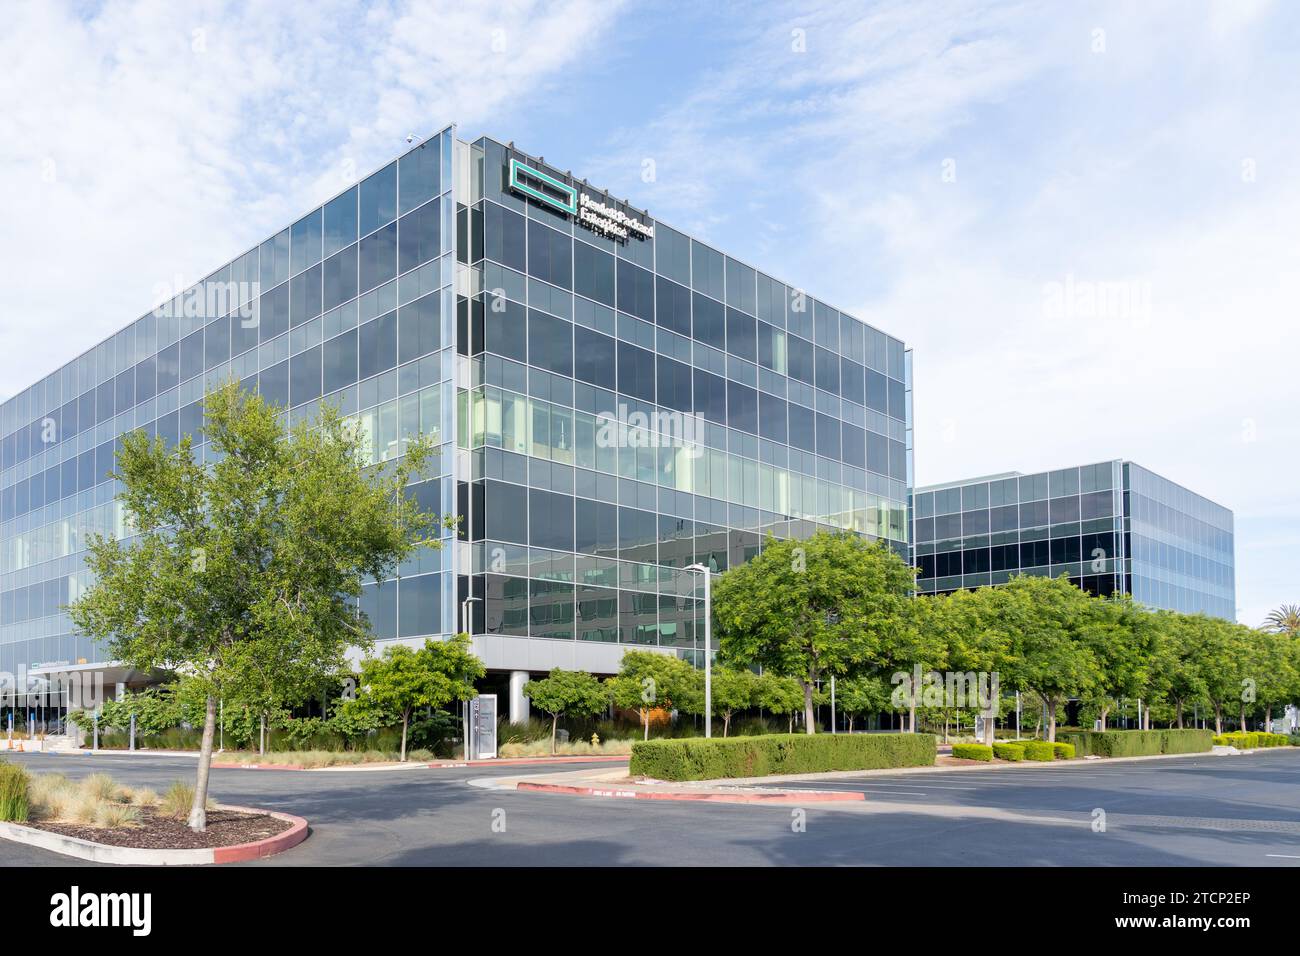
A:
145	143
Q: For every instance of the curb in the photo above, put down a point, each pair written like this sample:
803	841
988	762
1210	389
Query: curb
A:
260	766
811	796
136	856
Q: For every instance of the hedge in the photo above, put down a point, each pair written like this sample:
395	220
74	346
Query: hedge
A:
1063	751
1039	750
1138	743
696	758
1250	739
1009	751
13	793
972	751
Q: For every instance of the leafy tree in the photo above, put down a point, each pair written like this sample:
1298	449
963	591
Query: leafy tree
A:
1123	639
868	694
733	690
1180	658
812	608
1223	664
780	695
646	680
972	632
1284	620
1045	618
916	645
400	681
567	692
243	574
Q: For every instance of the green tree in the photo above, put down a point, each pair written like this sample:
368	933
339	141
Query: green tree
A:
243	573
867	694
401	680
1224	664
1045	619
567	692
732	690
826	605
646	680
1180	651
916	645
781	695
1123	639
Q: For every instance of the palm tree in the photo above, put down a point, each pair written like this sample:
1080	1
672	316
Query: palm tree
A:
1284	620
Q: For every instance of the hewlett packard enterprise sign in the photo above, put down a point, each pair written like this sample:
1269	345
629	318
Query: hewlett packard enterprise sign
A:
590	212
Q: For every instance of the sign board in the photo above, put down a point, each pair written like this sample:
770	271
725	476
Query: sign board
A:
483	727
599	214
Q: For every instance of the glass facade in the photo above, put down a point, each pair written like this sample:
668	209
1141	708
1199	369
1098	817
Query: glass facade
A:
352	304
1112	526
614	401
634	404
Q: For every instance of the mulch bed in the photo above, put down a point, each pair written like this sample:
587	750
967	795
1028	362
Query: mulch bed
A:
156	832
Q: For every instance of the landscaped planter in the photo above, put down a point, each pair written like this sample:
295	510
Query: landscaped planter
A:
60	839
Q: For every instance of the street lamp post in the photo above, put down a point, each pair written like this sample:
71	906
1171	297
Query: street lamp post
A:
466	625
708	647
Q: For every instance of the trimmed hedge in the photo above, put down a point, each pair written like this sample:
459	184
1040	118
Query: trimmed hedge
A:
696	758
13	793
1009	751
1063	751
972	752
1039	750
1251	739
1138	743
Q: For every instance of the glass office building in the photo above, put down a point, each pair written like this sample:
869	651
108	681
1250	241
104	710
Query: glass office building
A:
1112	527
614	401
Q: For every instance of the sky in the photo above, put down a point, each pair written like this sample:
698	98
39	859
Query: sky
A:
1081	217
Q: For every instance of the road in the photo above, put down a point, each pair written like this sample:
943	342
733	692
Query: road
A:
1199	810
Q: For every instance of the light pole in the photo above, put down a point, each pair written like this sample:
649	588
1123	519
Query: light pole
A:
466	624
708	647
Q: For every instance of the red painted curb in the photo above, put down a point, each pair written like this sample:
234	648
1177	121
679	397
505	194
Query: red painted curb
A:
786	797
263	848
512	761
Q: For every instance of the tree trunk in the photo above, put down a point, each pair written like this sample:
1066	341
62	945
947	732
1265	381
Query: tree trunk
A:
198	821
1104	712
726	724
808	719
1051	721
1243	717
792	721
1179	723
1268	718
555	719
1218	718
406	719
645	719
850	723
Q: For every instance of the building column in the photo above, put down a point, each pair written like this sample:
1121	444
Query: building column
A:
518	702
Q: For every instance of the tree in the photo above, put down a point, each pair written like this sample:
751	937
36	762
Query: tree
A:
244	573
1048	656
1180	659
1223	663
916	646
814	608
567	692
401	680
646	679
868	694
1284	620
733	690
780	695
1123	640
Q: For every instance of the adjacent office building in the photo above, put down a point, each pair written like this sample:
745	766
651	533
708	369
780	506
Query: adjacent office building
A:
614	401
1112	527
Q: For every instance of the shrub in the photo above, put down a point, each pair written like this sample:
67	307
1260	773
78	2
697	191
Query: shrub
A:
1138	743
111	815
1009	751
715	758
1063	751
14	797
1039	750
1221	740
972	752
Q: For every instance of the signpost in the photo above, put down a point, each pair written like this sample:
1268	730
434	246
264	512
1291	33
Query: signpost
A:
483	727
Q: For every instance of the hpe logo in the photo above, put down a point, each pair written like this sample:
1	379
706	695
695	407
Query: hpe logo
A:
74	909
